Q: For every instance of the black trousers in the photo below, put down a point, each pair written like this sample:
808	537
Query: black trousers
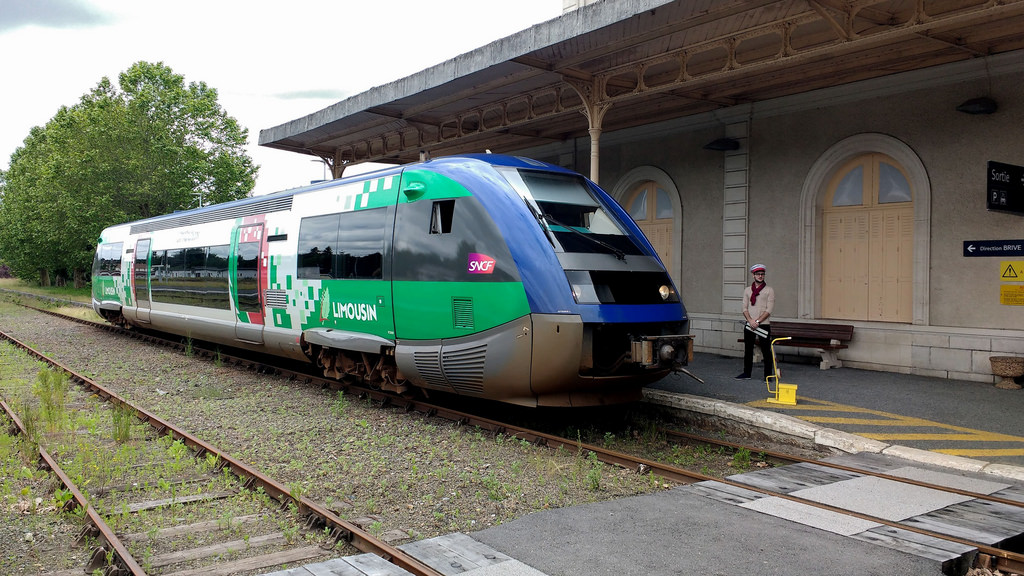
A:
766	350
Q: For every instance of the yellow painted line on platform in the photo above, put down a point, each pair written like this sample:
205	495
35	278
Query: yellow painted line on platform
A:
979	436
975	453
948	432
831	407
855	421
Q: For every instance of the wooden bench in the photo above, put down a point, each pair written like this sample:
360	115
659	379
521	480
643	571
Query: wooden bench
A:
827	339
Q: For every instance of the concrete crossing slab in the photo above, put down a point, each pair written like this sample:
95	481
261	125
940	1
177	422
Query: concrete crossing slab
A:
810	516
976	485
881	498
359	565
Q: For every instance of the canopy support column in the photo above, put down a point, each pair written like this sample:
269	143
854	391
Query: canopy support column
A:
594	110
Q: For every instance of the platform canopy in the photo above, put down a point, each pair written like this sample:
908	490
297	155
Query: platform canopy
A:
622	63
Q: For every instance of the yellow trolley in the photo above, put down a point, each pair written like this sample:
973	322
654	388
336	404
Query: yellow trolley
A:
782	393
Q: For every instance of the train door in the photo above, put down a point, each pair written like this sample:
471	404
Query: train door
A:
250	282
140	279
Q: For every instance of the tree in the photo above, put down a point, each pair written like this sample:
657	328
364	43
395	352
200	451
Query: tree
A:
150	147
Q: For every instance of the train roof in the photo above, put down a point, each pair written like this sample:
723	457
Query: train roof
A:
278	201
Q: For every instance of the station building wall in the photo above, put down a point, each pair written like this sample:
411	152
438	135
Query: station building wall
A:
764	202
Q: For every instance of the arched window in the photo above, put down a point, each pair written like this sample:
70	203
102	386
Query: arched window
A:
867	266
651	208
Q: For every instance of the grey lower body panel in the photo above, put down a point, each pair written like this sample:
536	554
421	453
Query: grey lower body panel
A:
493	364
533	361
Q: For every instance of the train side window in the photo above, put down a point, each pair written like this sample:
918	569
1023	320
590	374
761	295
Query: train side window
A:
214	291
361	245
196	276
422	256
441	217
318	241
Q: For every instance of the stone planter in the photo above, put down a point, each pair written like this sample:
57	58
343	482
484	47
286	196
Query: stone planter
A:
1009	367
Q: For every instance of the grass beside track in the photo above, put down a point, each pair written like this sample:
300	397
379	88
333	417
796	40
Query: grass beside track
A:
33	535
83	295
402	476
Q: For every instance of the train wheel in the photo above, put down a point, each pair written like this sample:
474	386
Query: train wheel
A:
377	371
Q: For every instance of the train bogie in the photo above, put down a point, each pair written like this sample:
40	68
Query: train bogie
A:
489	276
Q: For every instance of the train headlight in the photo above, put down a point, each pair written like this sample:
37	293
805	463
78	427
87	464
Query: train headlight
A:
666	292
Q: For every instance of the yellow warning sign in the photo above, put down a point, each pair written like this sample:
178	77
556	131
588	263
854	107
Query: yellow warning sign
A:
1011	270
1011	294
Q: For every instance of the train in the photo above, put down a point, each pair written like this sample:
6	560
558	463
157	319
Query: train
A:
483	275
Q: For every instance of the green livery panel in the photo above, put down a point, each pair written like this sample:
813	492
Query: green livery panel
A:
429	310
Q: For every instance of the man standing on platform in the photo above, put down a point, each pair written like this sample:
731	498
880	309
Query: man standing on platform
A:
758	302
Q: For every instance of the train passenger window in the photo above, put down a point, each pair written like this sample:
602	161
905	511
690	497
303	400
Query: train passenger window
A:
196	276
361	245
441	217
425	257
213	289
161	276
318	240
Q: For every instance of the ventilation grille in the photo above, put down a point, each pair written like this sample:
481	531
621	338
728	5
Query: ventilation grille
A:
465	368
228	211
276	298
462	313
429	367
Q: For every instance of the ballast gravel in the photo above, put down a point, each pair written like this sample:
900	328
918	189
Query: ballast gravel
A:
401	475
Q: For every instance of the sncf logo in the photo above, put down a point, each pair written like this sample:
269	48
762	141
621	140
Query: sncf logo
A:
480	264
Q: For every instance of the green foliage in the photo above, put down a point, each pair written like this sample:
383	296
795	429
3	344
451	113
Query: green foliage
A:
594	474
123	417
51	388
178	450
741	459
340	404
150	147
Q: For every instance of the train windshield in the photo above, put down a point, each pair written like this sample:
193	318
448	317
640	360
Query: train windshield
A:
572	217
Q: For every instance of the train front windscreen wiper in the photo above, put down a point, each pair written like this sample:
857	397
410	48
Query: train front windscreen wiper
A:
618	253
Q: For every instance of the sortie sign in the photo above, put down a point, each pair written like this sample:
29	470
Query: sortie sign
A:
1000	248
1005	187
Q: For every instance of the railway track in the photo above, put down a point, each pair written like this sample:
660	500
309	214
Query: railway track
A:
989	556
111	552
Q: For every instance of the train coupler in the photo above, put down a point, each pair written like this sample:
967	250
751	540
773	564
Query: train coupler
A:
671	351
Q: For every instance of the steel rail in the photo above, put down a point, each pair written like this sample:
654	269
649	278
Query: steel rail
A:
852	469
1008	560
1005	560
127	561
340	529
410	404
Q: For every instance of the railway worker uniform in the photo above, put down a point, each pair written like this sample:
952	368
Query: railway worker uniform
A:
758	303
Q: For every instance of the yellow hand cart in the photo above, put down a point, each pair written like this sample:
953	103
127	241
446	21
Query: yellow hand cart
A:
783	393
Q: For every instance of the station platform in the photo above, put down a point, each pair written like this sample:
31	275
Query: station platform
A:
961	434
968	426
955	433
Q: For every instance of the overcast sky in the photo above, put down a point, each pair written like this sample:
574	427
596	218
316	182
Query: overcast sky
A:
270	62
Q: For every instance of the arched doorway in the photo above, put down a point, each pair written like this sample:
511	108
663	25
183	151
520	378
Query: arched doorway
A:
867	242
877	162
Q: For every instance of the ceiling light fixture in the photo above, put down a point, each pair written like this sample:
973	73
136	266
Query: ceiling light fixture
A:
723	144
983	105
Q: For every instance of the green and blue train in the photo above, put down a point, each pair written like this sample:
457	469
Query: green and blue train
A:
488	276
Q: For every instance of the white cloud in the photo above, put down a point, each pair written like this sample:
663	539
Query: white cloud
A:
270	62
